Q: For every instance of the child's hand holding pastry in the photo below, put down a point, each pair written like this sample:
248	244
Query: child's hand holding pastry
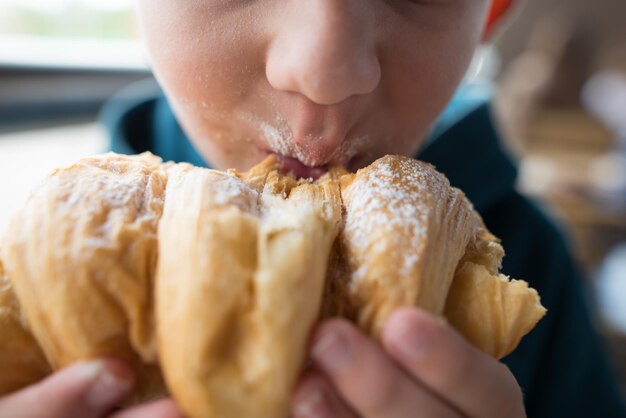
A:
89	389
423	369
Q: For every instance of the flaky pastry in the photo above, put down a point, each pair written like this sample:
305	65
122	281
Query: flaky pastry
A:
22	361
216	279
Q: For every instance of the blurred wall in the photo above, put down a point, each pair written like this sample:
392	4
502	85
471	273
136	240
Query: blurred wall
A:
40	96
604	20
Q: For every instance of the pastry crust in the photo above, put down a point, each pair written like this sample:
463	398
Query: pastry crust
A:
81	255
247	264
21	359
405	230
492	312
410	239
239	286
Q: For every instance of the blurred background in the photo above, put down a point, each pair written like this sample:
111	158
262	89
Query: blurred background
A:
557	73
59	61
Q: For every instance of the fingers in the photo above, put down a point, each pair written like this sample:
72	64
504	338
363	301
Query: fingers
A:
164	408
85	389
442	360
367	379
314	398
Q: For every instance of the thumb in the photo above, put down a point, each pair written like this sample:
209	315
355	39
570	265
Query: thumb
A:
87	389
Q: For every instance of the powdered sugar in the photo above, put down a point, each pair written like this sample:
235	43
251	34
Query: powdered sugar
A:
276	134
279	136
230	190
390	200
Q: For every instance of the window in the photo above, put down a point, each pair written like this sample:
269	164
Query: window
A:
69	33
73	18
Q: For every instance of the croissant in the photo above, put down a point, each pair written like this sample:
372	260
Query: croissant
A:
209	283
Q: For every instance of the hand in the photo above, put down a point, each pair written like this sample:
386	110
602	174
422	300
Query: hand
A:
88	390
423	369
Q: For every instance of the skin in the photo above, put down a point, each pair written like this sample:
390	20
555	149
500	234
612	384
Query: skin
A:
87	390
317	82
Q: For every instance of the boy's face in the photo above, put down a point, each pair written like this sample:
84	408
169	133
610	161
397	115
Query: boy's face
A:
317	81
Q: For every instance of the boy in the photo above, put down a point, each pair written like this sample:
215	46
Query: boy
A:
319	82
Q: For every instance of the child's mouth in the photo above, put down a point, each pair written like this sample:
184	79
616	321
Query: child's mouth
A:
298	169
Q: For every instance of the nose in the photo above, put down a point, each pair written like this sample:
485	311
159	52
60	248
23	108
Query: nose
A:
324	50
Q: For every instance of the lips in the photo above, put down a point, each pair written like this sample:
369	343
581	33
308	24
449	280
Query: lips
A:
295	167
307	137
318	132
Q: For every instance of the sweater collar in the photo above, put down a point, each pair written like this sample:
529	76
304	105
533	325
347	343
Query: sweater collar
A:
469	153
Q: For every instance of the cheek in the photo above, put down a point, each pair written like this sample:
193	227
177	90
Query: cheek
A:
209	69
206	63
422	76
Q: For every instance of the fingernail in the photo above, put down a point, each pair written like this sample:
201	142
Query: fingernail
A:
109	386
413	340
332	351
314	405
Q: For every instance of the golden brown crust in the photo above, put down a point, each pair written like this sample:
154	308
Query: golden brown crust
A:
404	231
483	247
233	327
247	263
21	360
490	311
82	254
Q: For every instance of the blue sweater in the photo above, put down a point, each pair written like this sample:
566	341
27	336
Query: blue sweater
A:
561	366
